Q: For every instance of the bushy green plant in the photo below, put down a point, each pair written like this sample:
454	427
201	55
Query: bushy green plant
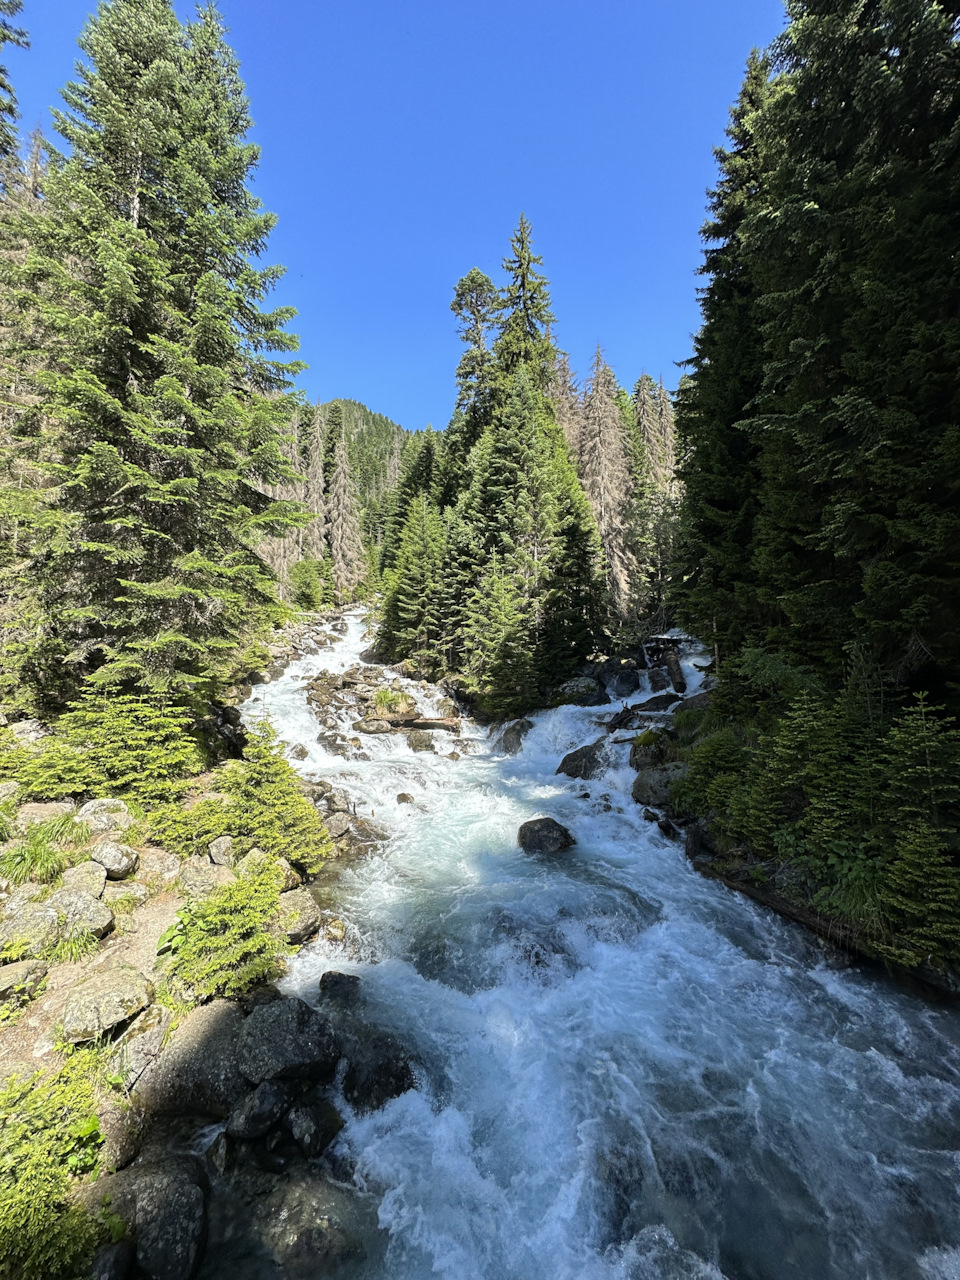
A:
265	809
223	945
109	744
312	583
49	1134
42	853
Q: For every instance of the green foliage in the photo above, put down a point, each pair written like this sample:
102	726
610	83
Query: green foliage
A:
312	584
42	854
49	1134
119	744
223	945
73	945
264	809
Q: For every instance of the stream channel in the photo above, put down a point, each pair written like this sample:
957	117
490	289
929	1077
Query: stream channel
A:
627	1070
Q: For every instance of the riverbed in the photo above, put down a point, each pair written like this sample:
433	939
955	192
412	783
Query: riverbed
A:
627	1072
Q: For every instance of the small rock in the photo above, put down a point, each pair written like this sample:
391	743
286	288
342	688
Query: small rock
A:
544	835
339	988
105	815
104	1002
19	982
511	739
372	726
30	814
313	1126
299	915
220	851
197	1071
336	930
658	680
662	702
338	801
338	824
140	1044
454	755
260	1110
91	877
126	891
299	752
82	911
119	860
404	797
585	762
420	740
31	931
198	877
287	1040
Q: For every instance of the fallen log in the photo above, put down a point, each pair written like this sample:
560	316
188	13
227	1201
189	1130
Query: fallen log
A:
450	723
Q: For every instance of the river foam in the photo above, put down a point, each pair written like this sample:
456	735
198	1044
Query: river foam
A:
628	1071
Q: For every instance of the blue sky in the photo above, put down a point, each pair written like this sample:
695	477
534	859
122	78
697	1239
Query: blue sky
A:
401	140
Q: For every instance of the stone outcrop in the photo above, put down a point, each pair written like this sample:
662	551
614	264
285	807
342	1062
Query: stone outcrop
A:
105	1002
81	912
299	915
652	785
511	739
198	1072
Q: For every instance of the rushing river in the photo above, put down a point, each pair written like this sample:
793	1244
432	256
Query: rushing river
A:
629	1072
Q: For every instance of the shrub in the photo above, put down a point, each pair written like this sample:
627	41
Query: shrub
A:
223	945
42	853
49	1134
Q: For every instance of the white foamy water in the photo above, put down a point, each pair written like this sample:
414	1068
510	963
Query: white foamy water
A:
629	1072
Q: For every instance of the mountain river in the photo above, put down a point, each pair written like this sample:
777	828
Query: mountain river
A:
628	1071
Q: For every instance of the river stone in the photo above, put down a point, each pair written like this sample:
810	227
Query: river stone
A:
30	814
378	1068
199	877
90	876
119	860
582	691
308	1225
260	1110
104	1002
662	702
287	1040
299	915
544	835
338	801
140	1044
19	982
105	815
623	682
511	740
652	785
220	851
31	931
126	890
338	824
585	762
659	680
82	911
313	1125
404	797
339	989
420	740
372	726
197	1071
696	702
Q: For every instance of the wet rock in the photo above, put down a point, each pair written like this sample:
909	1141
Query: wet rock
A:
404	797
114	1261
198	877
164	1204
90	877
697	702
287	1040
340	989
659	680
299	915
420	740
118	860
105	815
624	719
372	726
197	1073
299	752
448	709
313	1125
20	982
511	739
646	750
662	702
30	814
582	691
585	762
104	1002
31	931
220	851
82	912
620	684
652	786
378	1068
544	835
140	1044
338	801
260	1110
303	1230
338	824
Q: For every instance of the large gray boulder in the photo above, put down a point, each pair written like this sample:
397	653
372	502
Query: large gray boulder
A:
378	1068
140	1044
105	1002
659	679
89	876
338	824
299	915
19	982
511	739
199	877
582	691
585	762
197	1073
32	931
163	1203
105	815
544	835
119	860
82	912
287	1040
652	785
621	683
29	815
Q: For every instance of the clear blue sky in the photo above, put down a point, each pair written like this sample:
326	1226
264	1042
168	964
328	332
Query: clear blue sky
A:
402	138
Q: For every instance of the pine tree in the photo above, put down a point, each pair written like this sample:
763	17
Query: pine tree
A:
410	625
9	113
314	492
343	520
526	316
605	475
566	402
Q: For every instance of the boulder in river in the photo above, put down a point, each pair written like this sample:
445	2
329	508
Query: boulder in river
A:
197	1072
620	684
420	740
105	1002
313	1125
299	915
260	1110
378	1068
544	835
662	702
585	762
287	1040
659	680
652	785
582	691
511	739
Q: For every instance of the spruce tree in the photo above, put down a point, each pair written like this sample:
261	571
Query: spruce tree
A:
410	625
566	402
9	112
523	338
605	475
343	519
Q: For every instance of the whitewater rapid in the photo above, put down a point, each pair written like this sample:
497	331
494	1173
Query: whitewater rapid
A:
628	1071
